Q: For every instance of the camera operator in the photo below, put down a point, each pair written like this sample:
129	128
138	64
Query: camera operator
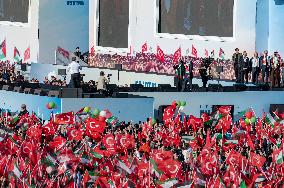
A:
74	69
102	82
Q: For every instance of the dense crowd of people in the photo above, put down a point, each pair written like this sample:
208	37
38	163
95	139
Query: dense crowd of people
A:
93	149
240	68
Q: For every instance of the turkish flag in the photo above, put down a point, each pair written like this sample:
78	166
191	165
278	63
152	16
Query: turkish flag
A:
143	170
57	143
160	54
109	142
144	48
27	54
94	125
257	160
225	110
125	141
169	113
171	168
159	156
177	55
65	118
34	132
194	51
49	129
74	134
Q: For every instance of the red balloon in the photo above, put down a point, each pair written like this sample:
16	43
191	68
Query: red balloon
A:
48	106
249	114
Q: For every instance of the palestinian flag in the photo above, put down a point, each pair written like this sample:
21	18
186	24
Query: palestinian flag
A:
221	54
3	50
17	57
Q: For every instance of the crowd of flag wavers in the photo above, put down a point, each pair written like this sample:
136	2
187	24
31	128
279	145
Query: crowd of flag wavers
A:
92	148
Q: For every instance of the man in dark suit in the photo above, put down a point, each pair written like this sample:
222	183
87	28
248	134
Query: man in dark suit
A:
245	67
180	73
188	76
237	59
265	66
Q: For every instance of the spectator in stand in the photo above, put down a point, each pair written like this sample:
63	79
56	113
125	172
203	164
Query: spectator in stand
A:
23	110
255	67
78	53
265	66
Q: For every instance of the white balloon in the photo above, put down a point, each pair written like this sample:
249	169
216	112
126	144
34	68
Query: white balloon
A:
103	113
181	108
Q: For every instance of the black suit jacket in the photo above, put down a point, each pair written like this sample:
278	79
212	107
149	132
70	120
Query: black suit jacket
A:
237	60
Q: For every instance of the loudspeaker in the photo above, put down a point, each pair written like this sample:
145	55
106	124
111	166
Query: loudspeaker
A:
23	67
219	69
61	72
118	67
18	89
53	94
215	87
276	107
263	87
161	112
39	92
70	92
240	87
135	87
164	87
7	87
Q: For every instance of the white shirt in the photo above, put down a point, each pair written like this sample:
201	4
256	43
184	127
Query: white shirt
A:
255	62
74	67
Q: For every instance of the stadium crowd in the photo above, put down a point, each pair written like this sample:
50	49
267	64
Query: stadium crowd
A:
91	148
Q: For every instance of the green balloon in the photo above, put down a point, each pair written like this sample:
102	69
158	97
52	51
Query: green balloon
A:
253	120
154	121
178	103
247	121
96	112
52	105
182	103
87	109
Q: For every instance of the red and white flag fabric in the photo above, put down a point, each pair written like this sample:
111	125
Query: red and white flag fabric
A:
74	134
257	160
144	47
27	54
94	125
177	55
65	118
109	142
194	51
92	53
160	54
206	53
57	143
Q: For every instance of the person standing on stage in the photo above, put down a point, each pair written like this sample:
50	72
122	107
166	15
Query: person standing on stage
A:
237	59
254	61
74	69
245	68
188	76
265	66
275	70
180	72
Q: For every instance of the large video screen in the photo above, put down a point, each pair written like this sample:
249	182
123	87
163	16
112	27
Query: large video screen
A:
14	10
113	20
196	17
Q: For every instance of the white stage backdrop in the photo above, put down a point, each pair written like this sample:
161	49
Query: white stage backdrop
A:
143	28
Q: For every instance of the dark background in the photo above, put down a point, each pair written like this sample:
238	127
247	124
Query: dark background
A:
197	17
14	10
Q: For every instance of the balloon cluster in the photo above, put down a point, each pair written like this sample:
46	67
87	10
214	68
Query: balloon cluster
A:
250	118
51	105
180	105
103	115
